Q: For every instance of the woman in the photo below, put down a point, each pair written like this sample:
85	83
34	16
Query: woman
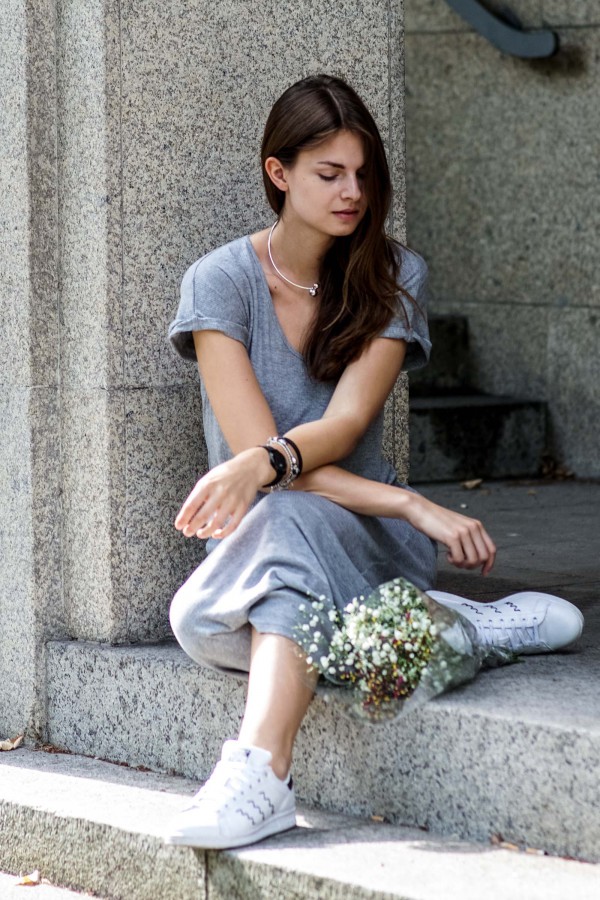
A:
300	332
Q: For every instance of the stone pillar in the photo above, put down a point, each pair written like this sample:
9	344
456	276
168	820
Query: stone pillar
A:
130	146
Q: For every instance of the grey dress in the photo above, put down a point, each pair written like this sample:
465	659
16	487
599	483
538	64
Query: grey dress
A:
290	546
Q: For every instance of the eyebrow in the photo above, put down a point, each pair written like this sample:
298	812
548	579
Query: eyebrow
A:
326	162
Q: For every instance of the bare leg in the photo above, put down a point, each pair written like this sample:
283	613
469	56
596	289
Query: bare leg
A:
280	689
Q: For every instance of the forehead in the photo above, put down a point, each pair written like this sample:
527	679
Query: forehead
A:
344	148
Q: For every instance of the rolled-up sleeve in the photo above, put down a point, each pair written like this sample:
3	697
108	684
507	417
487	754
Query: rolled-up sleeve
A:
410	322
210	301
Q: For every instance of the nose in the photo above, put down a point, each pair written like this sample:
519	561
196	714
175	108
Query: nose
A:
352	188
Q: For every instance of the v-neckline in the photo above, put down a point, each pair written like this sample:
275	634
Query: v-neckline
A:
265	284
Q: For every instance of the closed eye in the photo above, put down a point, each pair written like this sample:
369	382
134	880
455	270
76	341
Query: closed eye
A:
327	177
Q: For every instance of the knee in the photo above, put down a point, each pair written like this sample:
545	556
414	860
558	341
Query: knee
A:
186	623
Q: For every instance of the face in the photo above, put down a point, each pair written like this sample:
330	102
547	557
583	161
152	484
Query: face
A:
325	186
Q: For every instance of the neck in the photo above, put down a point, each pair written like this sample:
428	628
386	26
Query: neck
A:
299	251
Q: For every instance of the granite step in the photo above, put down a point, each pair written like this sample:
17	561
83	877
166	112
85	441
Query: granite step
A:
91	825
516	752
464	436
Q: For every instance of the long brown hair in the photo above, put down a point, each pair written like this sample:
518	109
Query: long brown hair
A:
359	275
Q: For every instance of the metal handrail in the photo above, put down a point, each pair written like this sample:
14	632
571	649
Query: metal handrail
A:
504	33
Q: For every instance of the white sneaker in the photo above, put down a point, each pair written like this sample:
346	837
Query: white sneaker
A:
243	801
527	622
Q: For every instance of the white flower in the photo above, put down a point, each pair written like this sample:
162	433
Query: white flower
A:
324	661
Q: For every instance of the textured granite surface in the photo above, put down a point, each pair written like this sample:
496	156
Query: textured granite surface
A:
86	824
501	174
81	812
30	603
131	457
458	765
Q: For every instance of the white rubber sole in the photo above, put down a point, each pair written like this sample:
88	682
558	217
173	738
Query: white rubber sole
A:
284	821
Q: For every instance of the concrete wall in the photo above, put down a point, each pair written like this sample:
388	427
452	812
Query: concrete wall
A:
129	146
502	178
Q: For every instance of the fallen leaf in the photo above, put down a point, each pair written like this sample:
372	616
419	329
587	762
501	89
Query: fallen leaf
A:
472	483
13	744
377	819
508	846
30	880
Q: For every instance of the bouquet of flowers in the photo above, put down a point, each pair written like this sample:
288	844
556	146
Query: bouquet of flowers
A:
392	651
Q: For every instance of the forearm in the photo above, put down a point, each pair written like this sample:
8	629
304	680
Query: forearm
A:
358	494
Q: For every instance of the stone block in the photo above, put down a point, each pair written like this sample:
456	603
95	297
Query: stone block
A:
29	335
30	542
573	378
94	508
130	459
64	813
89	213
500	171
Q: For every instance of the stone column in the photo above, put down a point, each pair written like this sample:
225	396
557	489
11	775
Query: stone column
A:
130	146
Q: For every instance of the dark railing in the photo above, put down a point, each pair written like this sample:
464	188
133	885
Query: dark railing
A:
504	31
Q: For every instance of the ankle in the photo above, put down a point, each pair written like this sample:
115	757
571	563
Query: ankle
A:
281	755
281	766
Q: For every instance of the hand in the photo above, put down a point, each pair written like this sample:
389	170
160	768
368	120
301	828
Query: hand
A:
469	545
221	498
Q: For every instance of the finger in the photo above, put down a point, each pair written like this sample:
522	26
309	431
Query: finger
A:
190	507
213	523
481	547
471	556
455	555
229	526
487	568
205	514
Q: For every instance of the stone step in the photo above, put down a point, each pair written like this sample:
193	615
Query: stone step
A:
448	370
91	825
459	437
516	752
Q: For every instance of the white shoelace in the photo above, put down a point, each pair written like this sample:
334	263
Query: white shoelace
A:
228	780
517	635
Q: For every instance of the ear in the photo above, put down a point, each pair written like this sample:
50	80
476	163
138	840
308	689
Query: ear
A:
276	172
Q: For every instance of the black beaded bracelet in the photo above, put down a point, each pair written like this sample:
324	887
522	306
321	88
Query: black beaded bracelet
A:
278	462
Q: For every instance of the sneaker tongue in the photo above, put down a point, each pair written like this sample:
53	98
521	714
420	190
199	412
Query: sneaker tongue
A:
233	751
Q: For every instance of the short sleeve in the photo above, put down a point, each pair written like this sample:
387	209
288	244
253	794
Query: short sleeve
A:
410	323
211	300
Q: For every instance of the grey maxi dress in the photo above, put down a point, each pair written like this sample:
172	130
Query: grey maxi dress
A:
290	546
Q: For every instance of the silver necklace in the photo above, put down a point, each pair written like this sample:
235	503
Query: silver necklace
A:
313	291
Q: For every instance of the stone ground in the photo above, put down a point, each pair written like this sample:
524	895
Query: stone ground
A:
547	534
548	539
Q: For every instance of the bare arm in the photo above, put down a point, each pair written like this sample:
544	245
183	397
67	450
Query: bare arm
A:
220	499
469	545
